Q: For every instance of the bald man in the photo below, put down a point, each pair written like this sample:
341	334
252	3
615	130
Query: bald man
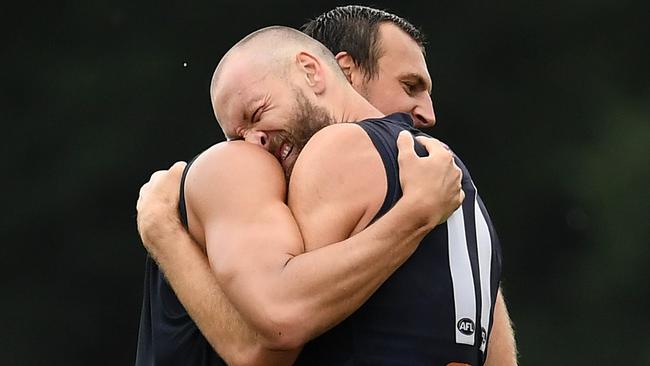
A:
275	131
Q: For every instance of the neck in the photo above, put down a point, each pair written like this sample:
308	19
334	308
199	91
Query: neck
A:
354	107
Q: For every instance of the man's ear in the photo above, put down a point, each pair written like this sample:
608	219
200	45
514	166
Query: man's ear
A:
346	64
313	70
350	69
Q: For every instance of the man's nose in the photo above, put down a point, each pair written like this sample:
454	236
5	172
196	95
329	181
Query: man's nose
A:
258	138
423	113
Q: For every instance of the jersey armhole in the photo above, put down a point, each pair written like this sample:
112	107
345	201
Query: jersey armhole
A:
387	151
182	206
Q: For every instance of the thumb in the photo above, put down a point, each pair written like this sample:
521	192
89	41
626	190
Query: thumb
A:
405	145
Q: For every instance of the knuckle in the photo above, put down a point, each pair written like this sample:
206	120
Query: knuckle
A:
143	190
449	155
156	175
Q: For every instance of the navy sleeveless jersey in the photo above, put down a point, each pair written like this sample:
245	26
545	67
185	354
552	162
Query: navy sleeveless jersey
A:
167	335
437	307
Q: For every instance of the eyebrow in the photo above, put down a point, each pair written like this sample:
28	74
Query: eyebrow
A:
252	107
246	115
419	81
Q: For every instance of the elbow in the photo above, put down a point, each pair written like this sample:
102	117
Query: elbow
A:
286	328
283	341
260	356
241	359
239	352
253	355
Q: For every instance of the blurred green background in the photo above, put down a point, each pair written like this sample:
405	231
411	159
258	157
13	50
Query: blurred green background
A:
547	102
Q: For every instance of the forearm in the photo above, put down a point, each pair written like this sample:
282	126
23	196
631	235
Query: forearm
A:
502	350
187	269
316	290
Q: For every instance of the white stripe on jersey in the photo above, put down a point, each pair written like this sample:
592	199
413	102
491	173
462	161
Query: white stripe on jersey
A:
461	279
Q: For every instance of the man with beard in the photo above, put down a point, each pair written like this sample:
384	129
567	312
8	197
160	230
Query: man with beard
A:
236	211
279	137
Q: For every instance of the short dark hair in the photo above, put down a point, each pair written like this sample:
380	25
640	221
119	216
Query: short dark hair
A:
354	29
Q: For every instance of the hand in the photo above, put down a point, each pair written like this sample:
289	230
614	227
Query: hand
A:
157	207
432	183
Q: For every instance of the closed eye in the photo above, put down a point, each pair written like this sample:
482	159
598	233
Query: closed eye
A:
409	88
415	83
255	115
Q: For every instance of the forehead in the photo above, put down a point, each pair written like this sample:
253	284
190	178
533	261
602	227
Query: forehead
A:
400	54
238	88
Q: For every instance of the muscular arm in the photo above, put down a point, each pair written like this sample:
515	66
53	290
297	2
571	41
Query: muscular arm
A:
502	350
352	184
351	188
187	269
257	253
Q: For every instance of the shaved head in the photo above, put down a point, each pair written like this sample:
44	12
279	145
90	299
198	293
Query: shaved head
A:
277	87
271	49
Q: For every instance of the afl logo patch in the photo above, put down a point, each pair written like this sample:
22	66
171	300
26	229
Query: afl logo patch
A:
466	326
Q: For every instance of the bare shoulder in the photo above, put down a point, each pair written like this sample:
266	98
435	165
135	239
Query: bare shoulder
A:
339	167
237	156
343	136
235	161
229	172
336	148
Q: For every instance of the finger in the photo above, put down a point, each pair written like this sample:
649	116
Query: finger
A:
156	175
458	169
178	167
429	143
139	200
405	145
421	140
143	189
428	139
